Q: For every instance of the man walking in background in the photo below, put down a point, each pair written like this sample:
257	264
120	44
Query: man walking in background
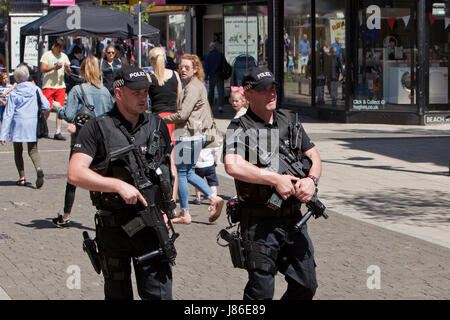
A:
213	65
304	48
53	65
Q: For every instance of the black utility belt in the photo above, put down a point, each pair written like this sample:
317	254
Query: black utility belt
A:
293	211
112	219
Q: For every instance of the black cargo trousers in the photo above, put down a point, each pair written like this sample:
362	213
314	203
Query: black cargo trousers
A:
116	248
285	250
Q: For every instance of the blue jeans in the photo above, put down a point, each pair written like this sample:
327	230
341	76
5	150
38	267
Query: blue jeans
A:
186	155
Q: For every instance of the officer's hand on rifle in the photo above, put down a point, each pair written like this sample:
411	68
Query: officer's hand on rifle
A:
130	194
283	185
304	189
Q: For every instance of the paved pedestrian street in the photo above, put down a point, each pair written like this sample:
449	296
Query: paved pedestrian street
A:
387	237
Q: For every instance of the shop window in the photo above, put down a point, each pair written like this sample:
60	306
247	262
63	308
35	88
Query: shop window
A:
177	36
439	56
297	52
386	54
327	47
245	38
172	35
330	53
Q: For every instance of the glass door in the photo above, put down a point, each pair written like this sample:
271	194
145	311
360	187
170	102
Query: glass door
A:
329	49
297	60
245	38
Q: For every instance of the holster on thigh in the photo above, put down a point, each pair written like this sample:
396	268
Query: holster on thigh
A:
260	257
118	269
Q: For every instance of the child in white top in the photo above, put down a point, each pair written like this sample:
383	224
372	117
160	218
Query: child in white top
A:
206	168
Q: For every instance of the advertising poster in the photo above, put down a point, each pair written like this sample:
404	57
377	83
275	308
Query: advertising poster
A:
240	37
31	45
337	29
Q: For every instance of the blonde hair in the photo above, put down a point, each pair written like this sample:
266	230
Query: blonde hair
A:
196	63
90	71
245	105
158	62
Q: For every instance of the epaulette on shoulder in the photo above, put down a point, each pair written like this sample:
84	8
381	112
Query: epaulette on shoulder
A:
235	121
292	114
286	112
152	115
102	116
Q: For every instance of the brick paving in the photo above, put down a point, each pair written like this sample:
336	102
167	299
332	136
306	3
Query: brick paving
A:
388	202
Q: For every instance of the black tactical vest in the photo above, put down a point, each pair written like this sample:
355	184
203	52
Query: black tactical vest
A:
256	195
120	167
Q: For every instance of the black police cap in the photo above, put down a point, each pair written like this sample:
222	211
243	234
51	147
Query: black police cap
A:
257	79
131	77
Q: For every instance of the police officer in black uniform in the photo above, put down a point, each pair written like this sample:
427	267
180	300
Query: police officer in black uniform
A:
270	242
114	193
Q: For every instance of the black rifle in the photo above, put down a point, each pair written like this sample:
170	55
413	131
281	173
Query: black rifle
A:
150	216
288	164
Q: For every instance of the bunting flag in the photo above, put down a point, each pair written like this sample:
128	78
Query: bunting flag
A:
432	18
447	22
391	22
406	20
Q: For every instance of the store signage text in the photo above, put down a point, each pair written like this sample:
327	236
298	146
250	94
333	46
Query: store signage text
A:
437	119
367	104
373	17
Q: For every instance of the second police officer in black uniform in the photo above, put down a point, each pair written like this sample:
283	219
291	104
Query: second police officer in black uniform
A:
114	192
270	242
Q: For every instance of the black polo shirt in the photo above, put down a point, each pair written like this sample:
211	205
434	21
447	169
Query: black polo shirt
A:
249	135
90	140
240	140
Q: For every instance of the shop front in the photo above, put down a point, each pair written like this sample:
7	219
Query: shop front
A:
172	21
368	61
399	66
363	61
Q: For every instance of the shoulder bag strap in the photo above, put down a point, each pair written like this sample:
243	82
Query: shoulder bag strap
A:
101	70
85	100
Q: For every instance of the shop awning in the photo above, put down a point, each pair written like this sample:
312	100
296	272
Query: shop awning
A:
87	20
93	21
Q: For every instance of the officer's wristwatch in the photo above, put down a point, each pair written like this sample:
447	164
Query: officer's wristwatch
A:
315	179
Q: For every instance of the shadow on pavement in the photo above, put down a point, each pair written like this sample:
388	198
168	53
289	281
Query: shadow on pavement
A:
422	207
399	131
411	149
203	222
13	184
48	224
390	168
